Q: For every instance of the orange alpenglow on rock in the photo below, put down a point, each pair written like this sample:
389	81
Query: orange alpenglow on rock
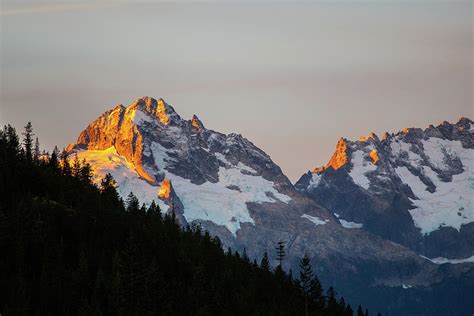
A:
165	189
70	147
319	169
195	122
338	159
374	156
149	103
366	138
161	112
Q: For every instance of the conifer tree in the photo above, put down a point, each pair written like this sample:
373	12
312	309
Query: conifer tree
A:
132	202
359	311
349	311
53	160
12	143
331	301
76	166
173	213
342	304
265	263
280	252
28	141
306	279
66	166
36	151
108	186
154	211
85	173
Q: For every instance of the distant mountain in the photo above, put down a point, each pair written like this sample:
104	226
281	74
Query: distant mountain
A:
415	187
233	189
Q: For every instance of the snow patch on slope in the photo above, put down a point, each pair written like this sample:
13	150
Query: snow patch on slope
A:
400	148
316	220
441	260
315	179
438	149
347	224
239	165
359	169
138	117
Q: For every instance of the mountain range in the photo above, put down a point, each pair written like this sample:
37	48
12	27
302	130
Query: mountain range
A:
389	221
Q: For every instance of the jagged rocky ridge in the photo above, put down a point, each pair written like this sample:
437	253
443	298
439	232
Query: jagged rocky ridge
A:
234	190
415	187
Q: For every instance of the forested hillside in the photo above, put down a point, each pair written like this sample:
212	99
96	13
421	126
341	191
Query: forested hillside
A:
71	248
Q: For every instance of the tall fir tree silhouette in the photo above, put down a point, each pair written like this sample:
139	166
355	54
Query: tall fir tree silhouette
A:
265	263
28	141
281	253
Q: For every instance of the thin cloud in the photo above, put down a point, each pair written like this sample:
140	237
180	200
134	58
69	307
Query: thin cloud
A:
39	9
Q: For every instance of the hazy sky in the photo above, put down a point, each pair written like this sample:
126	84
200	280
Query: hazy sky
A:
291	77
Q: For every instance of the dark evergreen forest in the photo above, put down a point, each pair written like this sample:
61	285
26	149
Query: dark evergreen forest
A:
69	247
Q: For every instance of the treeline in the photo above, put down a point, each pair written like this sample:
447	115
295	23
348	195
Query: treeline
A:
68	247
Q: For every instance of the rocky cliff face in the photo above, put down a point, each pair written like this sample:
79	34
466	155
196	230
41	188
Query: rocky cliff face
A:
415	187
234	190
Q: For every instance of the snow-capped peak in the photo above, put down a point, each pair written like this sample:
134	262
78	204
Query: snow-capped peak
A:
206	175
427	172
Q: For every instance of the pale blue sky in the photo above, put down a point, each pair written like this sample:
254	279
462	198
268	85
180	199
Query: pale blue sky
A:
291	77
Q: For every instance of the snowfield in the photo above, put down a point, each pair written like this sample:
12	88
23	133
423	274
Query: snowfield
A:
452	203
359	169
215	201
209	201
109	161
